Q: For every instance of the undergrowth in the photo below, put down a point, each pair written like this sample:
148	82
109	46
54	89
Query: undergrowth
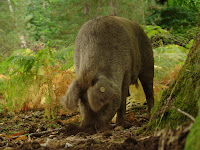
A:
28	76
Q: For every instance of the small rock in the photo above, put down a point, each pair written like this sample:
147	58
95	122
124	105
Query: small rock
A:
68	145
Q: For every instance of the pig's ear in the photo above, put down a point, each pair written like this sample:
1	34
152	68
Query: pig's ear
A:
70	100
101	93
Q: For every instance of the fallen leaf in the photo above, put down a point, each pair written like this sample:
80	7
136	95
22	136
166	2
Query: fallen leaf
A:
22	138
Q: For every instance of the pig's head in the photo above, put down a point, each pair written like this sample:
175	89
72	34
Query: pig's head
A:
101	93
98	94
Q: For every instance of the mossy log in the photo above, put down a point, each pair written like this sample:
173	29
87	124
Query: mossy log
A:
183	93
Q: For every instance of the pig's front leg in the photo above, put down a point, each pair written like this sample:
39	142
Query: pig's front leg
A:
88	116
99	120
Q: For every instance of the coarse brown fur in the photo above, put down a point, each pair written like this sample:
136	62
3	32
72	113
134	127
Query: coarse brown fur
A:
110	53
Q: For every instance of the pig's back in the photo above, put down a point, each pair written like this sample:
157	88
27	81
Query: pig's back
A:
107	45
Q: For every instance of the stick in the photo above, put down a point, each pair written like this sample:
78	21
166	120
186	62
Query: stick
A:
183	112
43	132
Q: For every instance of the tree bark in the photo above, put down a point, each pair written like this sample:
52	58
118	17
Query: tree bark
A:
113	8
192	141
10	7
86	9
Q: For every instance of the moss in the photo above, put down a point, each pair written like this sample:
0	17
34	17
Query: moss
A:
184	93
192	140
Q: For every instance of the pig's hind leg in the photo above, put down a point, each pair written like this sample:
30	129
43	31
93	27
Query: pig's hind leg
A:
146	79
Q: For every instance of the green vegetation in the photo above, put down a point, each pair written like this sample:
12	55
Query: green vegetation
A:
166	58
58	21
178	19
192	141
26	71
191	4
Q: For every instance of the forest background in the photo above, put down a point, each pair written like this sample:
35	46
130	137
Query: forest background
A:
37	37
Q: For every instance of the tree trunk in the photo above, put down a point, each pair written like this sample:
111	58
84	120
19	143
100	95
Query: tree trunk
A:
21	36
86	9
10	7
183	93
113	8
182	100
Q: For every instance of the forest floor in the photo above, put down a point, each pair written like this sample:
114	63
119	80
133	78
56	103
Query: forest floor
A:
26	129
31	130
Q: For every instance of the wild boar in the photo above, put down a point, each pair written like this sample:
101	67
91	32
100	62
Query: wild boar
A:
110	53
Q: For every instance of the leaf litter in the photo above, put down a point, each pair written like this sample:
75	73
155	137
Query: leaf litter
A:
32	131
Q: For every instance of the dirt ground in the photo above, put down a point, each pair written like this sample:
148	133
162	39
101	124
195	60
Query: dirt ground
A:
31	130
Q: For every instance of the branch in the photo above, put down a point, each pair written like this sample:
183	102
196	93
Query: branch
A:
37	134
185	113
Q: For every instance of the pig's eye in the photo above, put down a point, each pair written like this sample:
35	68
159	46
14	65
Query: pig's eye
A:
94	81
102	89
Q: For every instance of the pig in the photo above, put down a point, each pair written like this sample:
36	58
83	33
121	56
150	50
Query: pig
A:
110	54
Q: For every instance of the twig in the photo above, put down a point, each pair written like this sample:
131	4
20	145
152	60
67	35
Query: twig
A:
160	112
185	113
37	134
168	99
141	116
168	83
